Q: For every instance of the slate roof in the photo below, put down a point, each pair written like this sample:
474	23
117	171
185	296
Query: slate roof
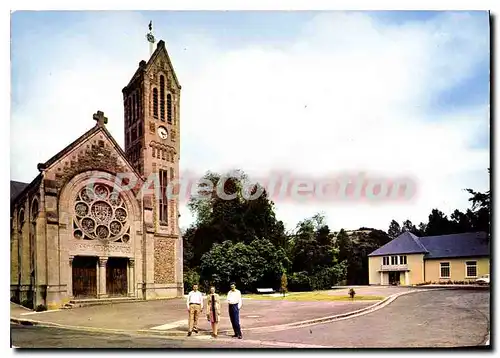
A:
406	243
443	246
457	245
16	187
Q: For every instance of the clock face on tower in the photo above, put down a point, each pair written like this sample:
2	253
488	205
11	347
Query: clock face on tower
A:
162	132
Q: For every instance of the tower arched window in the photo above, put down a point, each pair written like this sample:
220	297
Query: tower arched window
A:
133	107
169	108
162	98
138	105
155	102
34	210
21	219
129	109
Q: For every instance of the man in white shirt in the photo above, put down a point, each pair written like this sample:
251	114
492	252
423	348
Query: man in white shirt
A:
195	308
234	300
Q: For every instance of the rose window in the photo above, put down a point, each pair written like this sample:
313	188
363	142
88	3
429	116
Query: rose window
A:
100	213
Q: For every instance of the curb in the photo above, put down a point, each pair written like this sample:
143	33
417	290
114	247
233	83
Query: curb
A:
454	287
379	305
21	307
375	307
173	333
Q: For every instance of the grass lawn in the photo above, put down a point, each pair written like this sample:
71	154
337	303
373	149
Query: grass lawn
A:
313	296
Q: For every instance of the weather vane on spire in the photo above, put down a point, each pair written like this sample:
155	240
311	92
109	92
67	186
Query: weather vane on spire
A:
150	37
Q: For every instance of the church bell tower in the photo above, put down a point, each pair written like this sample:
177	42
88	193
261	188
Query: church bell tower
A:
151	113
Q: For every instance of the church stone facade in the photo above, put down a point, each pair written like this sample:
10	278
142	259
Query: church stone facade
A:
83	228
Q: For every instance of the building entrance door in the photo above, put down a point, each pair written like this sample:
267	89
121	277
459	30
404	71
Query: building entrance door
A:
116	276
85	277
394	278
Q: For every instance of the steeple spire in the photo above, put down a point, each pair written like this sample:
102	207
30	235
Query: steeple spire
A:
151	39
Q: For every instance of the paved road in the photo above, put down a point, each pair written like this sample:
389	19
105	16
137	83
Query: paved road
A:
447	318
424	319
44	337
172	313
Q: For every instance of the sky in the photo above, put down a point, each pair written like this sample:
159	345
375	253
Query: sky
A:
312	93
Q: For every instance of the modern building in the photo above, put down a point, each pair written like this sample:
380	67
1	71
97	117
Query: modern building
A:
410	260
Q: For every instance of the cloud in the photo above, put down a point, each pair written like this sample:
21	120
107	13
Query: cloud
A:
349	92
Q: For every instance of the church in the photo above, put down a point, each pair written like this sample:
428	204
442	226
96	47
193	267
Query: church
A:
78	232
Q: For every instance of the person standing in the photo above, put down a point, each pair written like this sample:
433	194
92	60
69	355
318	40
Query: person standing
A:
234	300
195	308
213	310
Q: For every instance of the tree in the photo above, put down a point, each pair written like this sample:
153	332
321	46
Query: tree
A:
438	224
259	217
327	276
324	250
480	200
422	229
354	251
284	284
259	263
481	210
188	249
236	220
394	229
201	204
304	247
314	256
313	246
191	277
461	222
300	281
344	246
377	238
409	227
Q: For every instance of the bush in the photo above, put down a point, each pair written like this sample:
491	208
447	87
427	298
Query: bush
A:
191	277
40	308
327	277
352	293
27	304
284	284
322	280
299	281
15	299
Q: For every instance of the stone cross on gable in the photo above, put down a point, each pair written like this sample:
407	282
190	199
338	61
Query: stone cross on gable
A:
100	119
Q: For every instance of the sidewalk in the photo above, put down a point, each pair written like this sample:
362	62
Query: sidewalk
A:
170	316
17	310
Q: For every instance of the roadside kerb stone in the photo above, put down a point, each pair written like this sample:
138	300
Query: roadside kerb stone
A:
454	287
27	322
380	304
